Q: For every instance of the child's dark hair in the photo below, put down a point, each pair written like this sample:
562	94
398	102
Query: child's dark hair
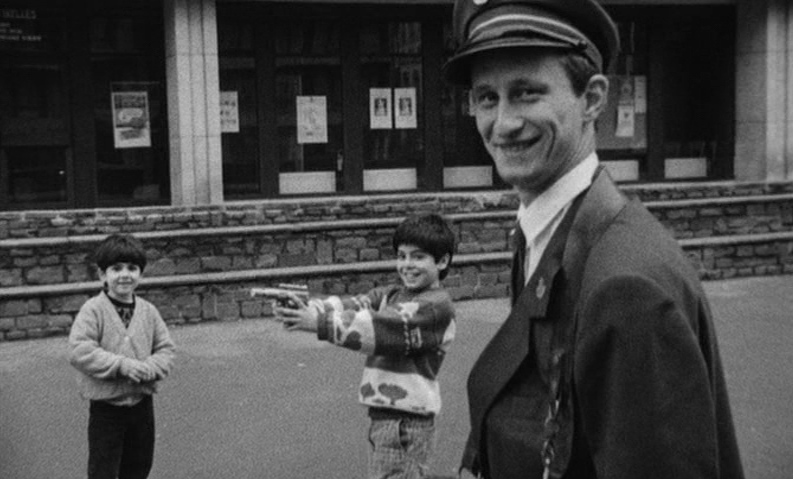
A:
120	248
430	232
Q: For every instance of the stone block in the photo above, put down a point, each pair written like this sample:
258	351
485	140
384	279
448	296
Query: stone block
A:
324	252
34	305
25	261
77	273
251	309
215	263
161	267
288	260
266	261
13	307
488	279
44	275
227	311
492	291
15	335
7	324
346	255
11	277
60	321
65	304
369	254
461	292
32	321
188	266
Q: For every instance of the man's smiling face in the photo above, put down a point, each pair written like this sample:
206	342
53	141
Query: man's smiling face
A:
528	115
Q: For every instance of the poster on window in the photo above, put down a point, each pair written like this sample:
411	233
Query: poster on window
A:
626	124
380	109
640	94
312	119
131	127
405	108
229	112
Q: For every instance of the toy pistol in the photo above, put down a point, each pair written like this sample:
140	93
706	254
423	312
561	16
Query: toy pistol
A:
281	294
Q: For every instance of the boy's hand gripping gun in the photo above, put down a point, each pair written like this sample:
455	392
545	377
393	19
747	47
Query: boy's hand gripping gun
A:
282	295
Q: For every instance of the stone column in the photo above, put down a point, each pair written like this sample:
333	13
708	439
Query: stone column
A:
764	96
191	56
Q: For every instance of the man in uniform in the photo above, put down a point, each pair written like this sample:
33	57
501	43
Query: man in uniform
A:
608	365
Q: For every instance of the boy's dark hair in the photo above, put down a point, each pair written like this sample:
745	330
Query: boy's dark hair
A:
430	232
120	248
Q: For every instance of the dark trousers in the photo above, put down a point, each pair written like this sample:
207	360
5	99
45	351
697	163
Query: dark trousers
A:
120	440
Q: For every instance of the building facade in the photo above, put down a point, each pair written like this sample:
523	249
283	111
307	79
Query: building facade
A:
107	103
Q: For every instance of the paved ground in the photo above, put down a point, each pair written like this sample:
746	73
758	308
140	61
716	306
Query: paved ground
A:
249	400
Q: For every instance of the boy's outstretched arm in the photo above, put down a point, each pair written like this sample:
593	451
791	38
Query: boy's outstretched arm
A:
403	328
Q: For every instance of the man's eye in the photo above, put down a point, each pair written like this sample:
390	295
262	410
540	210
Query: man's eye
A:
483	100
527	94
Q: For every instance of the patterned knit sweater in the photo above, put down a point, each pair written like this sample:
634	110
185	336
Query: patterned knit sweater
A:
405	336
99	342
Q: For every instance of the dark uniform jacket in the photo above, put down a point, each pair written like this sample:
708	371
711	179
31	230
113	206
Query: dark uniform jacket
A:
607	366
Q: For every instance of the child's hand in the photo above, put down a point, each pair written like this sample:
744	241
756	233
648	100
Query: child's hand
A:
303	317
136	371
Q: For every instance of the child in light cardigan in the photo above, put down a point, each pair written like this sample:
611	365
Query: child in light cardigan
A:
121	347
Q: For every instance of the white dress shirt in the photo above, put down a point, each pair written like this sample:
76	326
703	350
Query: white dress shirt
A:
540	218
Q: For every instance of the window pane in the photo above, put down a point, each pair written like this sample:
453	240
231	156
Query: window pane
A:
391	66
36	174
695	106
240	144
122	35
131	139
31	96
307	81
308	106
465	160
34	129
308	37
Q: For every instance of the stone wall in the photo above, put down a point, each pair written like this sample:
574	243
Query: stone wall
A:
203	261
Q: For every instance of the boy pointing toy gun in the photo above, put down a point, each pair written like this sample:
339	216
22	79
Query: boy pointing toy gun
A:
404	330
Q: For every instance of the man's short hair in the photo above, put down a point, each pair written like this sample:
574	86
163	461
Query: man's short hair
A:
430	232
579	70
120	248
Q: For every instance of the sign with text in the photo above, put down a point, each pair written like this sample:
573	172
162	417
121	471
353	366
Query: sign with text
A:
380	109
405	108
18	26
131	127
312	119
229	112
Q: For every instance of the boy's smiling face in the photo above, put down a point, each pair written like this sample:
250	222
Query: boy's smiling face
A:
121	280
418	269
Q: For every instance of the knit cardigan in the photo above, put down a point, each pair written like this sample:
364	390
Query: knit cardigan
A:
405	336
99	342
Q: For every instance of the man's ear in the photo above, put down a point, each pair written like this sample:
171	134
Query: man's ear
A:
596	96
